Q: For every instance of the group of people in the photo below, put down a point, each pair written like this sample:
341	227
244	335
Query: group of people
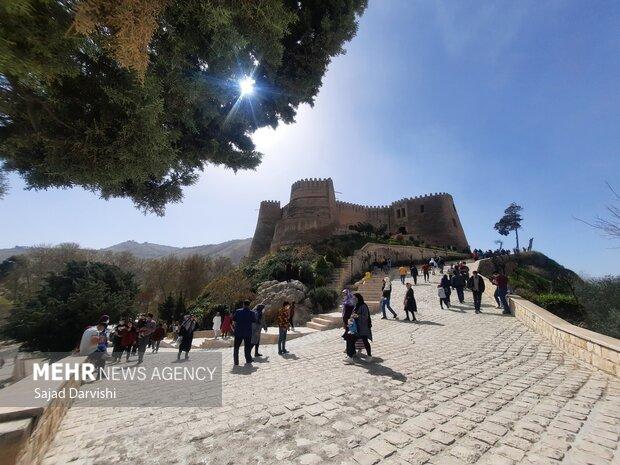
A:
247	326
478	254
129	337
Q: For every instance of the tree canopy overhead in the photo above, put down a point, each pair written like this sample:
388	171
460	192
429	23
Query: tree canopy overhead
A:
132	98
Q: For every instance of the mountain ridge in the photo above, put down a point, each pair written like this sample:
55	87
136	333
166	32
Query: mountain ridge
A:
234	249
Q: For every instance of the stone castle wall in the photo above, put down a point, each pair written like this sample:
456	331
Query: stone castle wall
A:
313	214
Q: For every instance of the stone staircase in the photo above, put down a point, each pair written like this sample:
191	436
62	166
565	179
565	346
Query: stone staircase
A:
325	321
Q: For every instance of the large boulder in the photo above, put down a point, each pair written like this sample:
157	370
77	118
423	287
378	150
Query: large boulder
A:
272	294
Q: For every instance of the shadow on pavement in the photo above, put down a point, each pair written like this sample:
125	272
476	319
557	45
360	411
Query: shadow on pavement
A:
380	370
263	359
243	369
289	356
428	322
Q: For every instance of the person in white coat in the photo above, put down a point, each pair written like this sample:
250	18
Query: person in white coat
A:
217	324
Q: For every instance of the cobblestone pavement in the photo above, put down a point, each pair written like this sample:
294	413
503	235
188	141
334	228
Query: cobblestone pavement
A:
454	388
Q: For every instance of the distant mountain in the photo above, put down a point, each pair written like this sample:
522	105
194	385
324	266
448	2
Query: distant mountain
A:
235	250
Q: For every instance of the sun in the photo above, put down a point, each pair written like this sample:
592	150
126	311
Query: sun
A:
246	86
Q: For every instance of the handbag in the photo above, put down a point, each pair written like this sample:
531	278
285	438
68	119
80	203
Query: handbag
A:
441	292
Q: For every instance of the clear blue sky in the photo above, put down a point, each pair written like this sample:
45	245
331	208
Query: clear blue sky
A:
493	102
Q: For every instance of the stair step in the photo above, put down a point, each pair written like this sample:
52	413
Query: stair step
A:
317	326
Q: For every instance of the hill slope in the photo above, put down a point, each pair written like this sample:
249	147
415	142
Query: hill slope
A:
235	250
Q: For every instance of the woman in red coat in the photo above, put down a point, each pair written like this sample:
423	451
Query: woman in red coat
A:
129	338
226	325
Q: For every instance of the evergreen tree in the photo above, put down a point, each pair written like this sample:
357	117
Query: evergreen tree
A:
180	310
67	303
133	98
511	221
167	309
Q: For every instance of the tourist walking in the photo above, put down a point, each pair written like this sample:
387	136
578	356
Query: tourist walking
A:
458	283
501	281
348	304
445	284
414	273
157	336
226	326
361	314
217	325
475	284
425	272
386	289
283	322
144	335
410	303
129	338
257	325
117	340
402	271
186	335
243	319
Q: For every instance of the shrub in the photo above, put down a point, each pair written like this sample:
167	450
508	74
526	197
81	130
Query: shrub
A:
600	299
322	267
319	281
563	305
323	299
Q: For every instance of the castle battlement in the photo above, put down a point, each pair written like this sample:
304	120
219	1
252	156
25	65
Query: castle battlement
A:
314	214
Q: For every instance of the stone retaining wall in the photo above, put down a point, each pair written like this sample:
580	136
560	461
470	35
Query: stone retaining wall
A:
29	426
597	350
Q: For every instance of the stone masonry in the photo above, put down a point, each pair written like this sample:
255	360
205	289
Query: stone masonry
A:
453	389
313	213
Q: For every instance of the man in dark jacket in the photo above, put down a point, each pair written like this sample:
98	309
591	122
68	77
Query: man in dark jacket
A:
242	321
458	283
475	283
414	273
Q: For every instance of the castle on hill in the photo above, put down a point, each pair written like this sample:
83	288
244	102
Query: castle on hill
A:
314	214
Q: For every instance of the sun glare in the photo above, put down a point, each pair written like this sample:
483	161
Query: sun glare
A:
246	86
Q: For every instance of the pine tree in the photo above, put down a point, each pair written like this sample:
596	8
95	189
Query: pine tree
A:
167	309
511	221
180	310
84	102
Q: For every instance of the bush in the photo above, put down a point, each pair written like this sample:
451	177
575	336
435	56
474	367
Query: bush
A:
600	299
322	267
319	281
323	299
563	305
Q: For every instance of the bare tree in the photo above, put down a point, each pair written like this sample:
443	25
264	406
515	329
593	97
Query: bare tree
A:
609	225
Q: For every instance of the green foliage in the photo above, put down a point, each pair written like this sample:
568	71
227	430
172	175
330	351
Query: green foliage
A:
600	299
322	267
324	299
166	309
273	266
563	305
68	302
147	136
180	310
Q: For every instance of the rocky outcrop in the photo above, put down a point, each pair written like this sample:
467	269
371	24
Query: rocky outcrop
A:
272	294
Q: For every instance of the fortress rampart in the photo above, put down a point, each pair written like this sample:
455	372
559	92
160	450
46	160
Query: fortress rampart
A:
313	214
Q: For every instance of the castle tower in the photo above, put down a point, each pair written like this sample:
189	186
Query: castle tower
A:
311	214
269	215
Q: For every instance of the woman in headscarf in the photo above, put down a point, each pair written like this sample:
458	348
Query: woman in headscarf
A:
444	290
361	313
186	334
348	304
256	328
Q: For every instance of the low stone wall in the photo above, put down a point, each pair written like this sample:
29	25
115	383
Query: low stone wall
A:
597	350
28	427
361	260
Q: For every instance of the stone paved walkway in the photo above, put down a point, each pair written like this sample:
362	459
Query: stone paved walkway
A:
453	389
